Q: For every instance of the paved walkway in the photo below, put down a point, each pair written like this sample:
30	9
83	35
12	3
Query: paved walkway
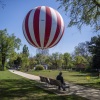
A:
89	93
29	76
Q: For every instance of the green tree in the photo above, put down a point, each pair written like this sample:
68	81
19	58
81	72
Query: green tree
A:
8	44
32	62
56	60
82	50
18	62
25	50
39	58
12	58
80	62
82	12
67	60
23	61
94	48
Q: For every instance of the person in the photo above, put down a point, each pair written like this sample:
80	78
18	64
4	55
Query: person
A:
60	78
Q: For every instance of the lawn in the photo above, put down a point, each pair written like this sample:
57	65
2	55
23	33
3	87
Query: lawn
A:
14	87
75	77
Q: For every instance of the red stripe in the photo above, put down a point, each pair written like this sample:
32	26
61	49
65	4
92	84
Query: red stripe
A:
57	29
59	39
27	29
25	36
48	25
36	25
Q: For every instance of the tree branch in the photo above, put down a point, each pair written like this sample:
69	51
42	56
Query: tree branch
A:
97	3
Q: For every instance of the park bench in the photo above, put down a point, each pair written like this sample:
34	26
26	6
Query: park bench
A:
58	83
44	80
53	82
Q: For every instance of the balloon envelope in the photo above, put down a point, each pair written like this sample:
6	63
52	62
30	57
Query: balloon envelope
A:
43	27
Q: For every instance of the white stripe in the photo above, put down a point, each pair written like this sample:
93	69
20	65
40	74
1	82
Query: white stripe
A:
53	26
24	32
30	26
61	30
42	23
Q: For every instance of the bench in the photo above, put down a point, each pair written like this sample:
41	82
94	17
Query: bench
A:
53	82
44	79
58	83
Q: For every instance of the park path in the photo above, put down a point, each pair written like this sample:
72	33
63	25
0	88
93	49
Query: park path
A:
89	93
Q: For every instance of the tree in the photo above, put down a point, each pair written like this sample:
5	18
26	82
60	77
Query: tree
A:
25	50
80	62
82	50
67	60
17	62
32	62
8	44
94	48
12	59
25	62
82	12
39	58
56	59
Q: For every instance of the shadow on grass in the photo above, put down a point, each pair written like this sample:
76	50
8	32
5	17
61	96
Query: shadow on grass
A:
23	89
80	75
91	85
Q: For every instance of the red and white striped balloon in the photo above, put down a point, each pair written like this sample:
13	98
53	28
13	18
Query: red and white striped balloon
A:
43	27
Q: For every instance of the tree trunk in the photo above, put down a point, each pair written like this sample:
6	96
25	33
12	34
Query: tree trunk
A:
3	63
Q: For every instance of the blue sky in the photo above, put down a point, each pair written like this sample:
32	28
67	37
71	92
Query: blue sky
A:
11	18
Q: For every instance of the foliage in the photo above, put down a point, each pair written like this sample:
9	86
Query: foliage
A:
25	50
82	50
8	44
56	60
94	48
25	62
40	58
82	12
80	62
67	60
18	61
39	67
32	62
11	59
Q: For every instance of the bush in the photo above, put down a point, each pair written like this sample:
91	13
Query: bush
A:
39	67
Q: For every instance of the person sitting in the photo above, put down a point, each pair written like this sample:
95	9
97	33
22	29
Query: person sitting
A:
60	78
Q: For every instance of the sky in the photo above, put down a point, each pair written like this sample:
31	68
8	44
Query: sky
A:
14	12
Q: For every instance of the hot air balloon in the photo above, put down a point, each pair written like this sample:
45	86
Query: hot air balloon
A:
43	27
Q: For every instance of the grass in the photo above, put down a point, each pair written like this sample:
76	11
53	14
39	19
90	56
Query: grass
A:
70	76
14	87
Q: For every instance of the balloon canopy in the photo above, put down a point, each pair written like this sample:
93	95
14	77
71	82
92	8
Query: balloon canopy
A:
43	27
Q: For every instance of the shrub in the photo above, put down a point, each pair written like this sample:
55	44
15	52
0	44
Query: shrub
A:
39	67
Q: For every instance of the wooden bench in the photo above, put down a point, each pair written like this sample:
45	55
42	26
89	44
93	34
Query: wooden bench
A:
53	82
58	83
44	79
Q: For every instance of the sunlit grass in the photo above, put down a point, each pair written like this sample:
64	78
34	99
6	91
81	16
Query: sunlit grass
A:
71	76
14	87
